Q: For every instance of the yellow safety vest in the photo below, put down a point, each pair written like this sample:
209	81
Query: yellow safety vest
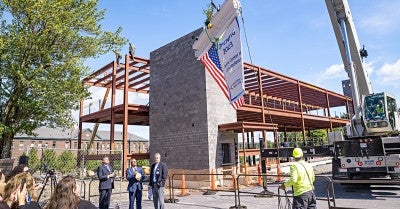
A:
299	179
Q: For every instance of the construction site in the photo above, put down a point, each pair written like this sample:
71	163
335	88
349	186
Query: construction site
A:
206	142
227	128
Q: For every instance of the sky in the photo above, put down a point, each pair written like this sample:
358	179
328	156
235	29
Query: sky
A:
291	37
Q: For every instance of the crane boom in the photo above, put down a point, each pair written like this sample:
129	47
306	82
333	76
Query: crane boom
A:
372	146
347	39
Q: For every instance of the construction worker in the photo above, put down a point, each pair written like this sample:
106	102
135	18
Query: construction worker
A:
302	179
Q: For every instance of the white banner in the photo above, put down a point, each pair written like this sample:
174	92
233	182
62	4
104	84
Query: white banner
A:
230	54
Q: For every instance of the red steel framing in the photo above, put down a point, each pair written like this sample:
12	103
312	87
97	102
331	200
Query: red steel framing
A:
284	106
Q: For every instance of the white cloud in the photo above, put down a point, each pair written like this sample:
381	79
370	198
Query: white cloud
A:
382	18
332	72
336	70
369	67
390	72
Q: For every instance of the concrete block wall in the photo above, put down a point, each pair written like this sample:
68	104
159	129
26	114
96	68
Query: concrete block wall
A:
186	106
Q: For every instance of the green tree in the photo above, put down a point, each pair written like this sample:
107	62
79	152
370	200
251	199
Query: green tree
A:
143	163
34	162
49	159
319	133
117	165
43	45
92	165
66	162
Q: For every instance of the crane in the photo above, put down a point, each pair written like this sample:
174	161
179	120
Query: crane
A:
375	113
371	147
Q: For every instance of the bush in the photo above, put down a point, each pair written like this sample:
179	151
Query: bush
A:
92	165
34	162
66	162
49	160
116	164
143	163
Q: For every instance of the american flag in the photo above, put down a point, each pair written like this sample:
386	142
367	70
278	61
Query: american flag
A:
211	61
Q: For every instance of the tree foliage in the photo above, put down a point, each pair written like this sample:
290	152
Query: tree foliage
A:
43	45
66	162
92	165
34	161
49	160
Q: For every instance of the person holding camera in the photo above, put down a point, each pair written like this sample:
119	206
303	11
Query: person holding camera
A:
158	177
19	193
135	176
106	177
66	195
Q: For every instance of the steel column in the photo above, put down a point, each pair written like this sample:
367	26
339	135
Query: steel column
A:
301	112
113	92
329	110
80	124
244	151
125	123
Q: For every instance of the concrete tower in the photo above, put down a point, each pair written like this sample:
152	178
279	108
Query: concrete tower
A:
186	107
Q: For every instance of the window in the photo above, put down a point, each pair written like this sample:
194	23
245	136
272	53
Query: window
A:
21	145
226	153
32	143
54	144
39	144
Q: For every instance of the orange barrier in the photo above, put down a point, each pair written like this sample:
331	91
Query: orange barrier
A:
279	172
213	187
183	187
260	183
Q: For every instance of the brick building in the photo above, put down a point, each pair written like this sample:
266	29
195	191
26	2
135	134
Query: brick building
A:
59	139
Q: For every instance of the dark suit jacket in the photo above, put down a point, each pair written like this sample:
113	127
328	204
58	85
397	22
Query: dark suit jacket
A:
102	173
134	184
161	174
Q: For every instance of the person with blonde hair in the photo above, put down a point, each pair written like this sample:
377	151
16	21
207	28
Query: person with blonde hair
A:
2	184
20	192
66	196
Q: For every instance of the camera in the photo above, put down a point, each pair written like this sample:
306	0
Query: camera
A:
51	172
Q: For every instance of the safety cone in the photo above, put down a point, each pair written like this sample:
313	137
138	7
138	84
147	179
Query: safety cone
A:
279	172
213	187
260	183
183	187
234	181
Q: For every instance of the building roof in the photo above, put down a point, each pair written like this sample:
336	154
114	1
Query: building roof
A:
46	133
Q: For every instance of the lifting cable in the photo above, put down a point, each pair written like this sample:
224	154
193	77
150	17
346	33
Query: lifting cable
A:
251	61
287	204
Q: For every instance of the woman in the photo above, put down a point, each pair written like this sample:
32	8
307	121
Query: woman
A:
17	170
16	191
66	196
2	185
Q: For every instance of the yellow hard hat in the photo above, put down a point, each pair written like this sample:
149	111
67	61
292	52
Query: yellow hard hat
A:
297	152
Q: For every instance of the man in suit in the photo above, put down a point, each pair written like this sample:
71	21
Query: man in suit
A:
106	176
158	177
135	176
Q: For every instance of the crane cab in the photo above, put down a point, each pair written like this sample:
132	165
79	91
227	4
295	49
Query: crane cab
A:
380	113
